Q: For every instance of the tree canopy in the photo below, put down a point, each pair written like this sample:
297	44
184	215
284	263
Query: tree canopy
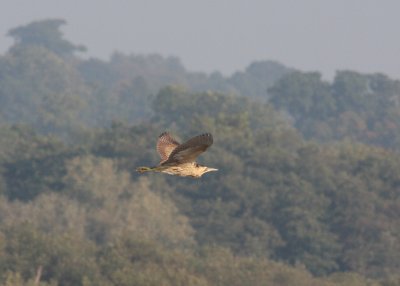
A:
307	191
47	34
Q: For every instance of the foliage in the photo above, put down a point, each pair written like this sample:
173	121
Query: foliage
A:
258	78
355	106
307	191
39	88
45	33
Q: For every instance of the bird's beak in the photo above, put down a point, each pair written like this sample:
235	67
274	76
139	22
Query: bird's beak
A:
211	169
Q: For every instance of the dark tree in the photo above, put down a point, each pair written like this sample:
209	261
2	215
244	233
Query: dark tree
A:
45	33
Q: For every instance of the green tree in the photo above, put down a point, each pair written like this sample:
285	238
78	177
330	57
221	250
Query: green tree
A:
303	95
40	89
63	258
44	33
258	78
115	205
32	164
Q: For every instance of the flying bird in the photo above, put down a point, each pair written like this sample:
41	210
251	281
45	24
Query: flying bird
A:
180	159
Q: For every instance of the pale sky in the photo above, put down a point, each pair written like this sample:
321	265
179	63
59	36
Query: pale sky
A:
227	35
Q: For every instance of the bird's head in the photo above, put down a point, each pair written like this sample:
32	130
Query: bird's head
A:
204	169
210	170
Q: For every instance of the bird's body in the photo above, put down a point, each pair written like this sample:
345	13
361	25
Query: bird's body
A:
179	159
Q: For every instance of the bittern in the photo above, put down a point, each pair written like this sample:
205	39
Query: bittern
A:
180	159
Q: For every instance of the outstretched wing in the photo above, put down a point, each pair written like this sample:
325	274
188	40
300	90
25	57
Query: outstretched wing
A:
188	151
165	145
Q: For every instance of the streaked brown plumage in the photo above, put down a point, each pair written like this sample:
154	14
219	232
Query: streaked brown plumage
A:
180	159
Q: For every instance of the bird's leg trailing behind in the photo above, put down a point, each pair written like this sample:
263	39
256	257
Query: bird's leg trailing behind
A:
149	169
144	169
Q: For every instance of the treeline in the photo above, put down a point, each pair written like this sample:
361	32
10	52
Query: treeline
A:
295	202
359	107
44	84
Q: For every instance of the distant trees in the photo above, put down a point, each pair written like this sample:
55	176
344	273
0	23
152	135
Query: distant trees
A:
40	89
355	106
327	208
43	83
291	186
115	206
304	95
284	208
258	78
44	33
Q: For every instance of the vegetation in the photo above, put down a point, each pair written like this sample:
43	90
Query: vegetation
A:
358	107
308	191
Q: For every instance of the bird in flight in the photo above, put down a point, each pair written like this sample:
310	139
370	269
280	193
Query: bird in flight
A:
180	159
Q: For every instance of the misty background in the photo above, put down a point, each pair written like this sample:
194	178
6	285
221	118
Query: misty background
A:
228	35
302	99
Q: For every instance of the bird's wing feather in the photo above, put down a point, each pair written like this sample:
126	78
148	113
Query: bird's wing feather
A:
190	150
165	145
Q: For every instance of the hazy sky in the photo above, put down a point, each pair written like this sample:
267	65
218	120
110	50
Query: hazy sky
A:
209	35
